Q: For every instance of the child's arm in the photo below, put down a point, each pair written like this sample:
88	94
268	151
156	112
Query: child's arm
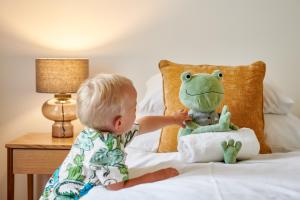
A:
146	178
152	123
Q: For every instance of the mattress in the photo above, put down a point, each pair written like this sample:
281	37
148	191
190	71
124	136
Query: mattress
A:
268	176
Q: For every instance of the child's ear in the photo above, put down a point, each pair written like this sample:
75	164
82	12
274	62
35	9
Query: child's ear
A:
118	122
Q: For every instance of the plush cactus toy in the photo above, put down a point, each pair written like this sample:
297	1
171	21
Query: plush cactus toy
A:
202	94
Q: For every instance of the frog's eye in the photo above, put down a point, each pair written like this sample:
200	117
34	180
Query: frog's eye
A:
218	74
186	76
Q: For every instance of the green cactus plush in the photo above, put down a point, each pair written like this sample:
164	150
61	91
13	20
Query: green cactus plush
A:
202	94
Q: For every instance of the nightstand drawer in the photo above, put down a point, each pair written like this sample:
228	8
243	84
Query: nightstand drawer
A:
37	161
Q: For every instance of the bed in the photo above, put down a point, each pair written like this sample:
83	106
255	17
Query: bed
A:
268	176
265	176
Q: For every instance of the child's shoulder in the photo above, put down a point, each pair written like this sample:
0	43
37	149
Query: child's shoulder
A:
88	133
90	138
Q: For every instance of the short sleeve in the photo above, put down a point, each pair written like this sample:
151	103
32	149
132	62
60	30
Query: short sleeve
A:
110	174
109	165
134	131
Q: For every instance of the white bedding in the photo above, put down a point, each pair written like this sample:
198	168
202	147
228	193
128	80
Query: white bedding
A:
272	176
206	147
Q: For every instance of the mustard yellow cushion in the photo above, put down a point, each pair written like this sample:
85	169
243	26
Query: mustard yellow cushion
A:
243	88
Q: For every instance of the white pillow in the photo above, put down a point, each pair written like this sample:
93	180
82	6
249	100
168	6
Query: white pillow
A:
282	132
275	101
147	142
153	102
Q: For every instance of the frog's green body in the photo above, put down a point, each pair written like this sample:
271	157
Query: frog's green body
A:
202	94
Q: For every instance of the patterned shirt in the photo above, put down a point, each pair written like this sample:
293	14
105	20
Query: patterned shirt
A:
96	158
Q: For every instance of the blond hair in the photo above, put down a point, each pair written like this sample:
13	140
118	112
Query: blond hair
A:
100	99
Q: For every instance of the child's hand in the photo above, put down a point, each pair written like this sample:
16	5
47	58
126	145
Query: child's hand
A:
169	172
180	117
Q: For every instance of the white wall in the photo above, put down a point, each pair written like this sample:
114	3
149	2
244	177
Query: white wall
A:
130	37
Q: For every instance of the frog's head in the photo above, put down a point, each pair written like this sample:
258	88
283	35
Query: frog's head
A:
201	92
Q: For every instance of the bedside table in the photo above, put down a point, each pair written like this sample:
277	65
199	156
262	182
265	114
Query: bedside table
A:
34	153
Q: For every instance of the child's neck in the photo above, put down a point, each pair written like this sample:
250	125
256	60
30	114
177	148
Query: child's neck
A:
106	130
110	130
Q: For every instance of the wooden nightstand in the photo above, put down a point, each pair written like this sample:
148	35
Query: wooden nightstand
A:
34	153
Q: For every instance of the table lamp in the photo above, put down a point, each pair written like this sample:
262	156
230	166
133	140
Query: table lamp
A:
60	76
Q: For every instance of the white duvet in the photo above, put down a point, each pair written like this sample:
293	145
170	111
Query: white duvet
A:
271	176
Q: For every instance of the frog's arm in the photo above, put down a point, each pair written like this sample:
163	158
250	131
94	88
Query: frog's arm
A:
191	125
214	128
209	128
226	119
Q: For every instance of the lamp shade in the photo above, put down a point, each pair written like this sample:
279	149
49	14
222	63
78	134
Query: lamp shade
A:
55	75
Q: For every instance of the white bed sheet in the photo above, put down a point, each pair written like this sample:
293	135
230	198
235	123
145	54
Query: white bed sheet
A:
271	176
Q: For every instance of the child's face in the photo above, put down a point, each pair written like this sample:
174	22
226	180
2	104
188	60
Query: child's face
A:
128	117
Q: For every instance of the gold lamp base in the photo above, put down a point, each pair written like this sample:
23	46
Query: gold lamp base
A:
62	129
62	110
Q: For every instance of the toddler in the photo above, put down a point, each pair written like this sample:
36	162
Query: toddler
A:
106	105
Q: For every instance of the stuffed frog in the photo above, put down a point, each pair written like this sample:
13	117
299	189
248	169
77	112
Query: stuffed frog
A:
202	94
